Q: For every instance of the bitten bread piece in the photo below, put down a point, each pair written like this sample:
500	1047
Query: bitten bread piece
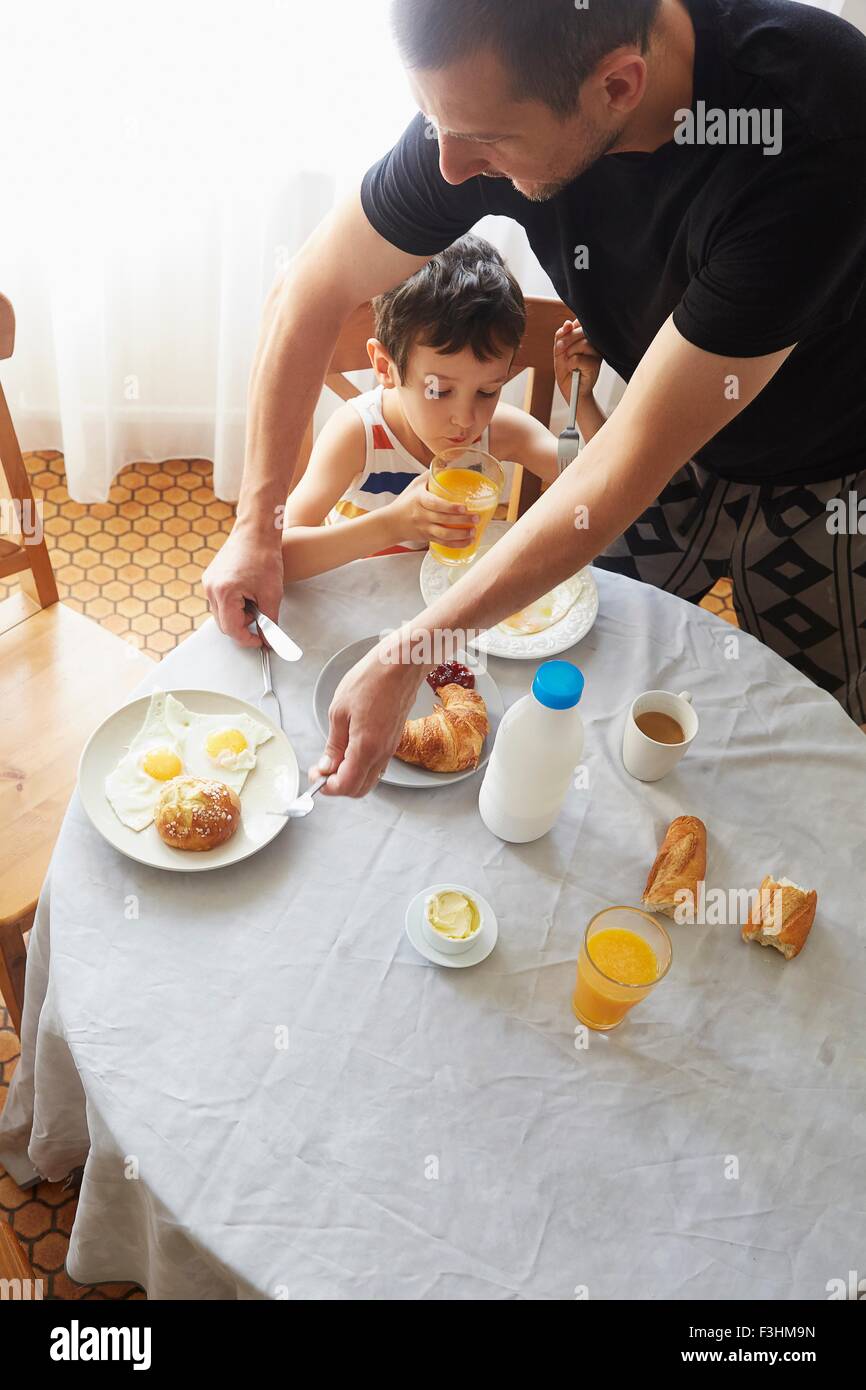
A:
680	864
784	921
194	813
451	738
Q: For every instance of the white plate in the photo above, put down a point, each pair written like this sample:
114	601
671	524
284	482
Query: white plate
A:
477	953
436	579
271	785
398	774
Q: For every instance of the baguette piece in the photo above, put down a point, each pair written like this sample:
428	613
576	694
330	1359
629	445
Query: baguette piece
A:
681	863
787	931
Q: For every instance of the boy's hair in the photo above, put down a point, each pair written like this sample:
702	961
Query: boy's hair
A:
549	47
464	297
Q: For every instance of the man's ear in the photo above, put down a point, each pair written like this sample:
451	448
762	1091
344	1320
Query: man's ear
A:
382	363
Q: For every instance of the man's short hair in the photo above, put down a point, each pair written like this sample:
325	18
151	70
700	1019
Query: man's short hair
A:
549	47
463	297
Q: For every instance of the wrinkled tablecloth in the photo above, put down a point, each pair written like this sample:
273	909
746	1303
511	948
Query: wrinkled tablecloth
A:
276	1096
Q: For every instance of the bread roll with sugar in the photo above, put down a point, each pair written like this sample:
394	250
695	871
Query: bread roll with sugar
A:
784	921
680	865
195	813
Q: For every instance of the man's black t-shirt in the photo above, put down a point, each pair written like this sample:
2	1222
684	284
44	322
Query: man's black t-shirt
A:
750	252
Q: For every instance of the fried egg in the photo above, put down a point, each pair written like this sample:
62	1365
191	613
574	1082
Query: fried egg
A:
218	746
538	616
153	758
544	612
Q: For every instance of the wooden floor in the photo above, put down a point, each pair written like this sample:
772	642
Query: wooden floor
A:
134	563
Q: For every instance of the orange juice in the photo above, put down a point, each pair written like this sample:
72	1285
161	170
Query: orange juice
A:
478	492
623	955
617	966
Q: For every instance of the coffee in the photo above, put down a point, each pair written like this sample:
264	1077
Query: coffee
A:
661	728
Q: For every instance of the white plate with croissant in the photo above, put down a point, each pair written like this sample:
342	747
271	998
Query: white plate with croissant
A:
550	625
450	730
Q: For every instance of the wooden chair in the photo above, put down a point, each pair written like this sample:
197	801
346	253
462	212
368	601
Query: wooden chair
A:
543	317
14	1264
61	674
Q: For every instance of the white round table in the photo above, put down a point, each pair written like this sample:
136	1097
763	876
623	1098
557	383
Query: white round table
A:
277	1097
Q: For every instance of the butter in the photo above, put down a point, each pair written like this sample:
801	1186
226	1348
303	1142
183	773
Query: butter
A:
453	915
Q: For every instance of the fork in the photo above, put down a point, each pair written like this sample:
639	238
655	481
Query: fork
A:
268	702
569	440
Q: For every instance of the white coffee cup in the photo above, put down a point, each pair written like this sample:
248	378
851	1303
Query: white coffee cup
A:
642	757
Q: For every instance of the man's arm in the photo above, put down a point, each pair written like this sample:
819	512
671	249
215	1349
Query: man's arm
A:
343	264
677	400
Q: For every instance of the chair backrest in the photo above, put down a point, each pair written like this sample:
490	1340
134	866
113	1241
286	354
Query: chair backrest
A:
543	318
22	542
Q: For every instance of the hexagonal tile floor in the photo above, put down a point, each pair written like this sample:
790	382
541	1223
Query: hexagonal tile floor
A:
134	563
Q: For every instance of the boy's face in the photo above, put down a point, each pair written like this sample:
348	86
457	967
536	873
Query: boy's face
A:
447	399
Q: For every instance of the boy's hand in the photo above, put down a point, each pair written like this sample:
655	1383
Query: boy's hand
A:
418	515
573	352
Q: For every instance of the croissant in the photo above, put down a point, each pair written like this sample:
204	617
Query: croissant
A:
449	739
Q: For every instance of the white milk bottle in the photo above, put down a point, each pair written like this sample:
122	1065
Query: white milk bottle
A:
537	748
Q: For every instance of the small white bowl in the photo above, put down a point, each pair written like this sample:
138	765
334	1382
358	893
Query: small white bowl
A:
443	943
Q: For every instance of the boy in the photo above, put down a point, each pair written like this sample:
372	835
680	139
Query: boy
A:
444	347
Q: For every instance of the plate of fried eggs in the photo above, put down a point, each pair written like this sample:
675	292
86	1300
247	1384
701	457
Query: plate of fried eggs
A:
144	746
543	629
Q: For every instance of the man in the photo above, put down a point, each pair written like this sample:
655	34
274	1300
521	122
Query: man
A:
692	176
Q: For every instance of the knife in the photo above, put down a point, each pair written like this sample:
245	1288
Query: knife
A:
303	805
277	640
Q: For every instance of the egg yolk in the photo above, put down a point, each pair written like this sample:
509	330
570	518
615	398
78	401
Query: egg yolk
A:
225	741
162	764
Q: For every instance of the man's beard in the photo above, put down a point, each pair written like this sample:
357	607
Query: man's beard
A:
543	192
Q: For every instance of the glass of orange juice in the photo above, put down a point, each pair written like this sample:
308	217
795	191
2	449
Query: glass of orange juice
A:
624	954
474	478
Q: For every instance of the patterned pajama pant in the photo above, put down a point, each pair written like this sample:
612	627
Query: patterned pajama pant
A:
798	587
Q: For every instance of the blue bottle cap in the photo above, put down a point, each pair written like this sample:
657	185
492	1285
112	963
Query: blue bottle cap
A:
558	685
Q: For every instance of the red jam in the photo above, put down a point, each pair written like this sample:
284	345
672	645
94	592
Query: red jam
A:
451	673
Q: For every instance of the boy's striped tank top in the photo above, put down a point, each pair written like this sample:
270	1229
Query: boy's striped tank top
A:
388	470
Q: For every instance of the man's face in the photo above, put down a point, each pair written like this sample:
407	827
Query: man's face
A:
483	131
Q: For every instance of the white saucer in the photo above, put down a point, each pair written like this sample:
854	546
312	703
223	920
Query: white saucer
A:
474	956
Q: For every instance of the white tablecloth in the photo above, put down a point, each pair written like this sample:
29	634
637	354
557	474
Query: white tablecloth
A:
432	1133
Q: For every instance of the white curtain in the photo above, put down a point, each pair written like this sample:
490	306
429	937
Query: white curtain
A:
159	163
